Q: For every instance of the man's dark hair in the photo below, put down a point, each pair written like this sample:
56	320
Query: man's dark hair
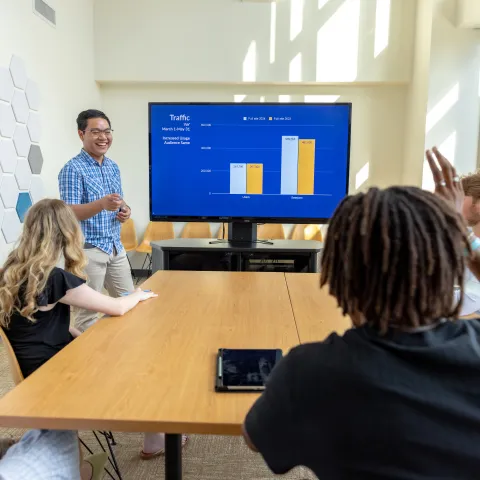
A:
395	256
83	117
471	186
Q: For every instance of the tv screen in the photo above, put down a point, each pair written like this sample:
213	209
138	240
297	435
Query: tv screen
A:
248	162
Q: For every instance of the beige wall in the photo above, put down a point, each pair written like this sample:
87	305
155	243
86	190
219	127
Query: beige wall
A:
209	41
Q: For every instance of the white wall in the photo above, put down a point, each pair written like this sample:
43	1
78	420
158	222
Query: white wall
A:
208	40
453	95
61	62
417	96
377	129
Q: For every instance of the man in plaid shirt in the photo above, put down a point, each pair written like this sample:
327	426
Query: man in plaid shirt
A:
90	183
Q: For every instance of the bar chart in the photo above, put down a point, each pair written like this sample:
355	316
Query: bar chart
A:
246	178
297	170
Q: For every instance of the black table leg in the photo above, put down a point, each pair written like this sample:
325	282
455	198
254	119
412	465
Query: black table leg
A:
173	456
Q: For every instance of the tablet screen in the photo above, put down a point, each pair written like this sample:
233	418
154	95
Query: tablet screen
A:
247	368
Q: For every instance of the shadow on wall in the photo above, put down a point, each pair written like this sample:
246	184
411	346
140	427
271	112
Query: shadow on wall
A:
454	105
337	22
21	157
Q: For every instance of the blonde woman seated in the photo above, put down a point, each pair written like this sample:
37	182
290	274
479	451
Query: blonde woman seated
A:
35	295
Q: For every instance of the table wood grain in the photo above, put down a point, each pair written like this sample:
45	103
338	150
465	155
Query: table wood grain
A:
315	310
153	369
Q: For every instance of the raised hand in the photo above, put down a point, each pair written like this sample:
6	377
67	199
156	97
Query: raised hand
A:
447	182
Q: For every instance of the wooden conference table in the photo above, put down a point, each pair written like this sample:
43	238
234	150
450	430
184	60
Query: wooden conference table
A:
153	369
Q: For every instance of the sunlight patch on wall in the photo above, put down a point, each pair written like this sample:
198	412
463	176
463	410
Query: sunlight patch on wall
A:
337	45
273	30
442	107
284	98
262	99
382	26
296	18
295	69
250	63
239	98
322	3
320	98
362	175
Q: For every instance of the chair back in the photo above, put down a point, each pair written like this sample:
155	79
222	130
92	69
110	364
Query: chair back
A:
223	231
128	235
305	231
271	231
197	230
15	369
155	231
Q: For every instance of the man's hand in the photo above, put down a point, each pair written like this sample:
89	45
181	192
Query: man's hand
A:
124	214
112	202
447	182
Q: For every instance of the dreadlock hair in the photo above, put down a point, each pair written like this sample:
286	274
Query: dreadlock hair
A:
395	256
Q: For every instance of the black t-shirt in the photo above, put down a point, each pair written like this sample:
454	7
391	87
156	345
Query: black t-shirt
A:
364	406
36	342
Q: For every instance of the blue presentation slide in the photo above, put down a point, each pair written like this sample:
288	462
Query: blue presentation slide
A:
251	161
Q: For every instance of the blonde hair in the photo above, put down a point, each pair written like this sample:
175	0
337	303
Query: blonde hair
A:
50	230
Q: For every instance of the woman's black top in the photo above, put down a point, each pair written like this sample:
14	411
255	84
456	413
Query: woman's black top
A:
36	342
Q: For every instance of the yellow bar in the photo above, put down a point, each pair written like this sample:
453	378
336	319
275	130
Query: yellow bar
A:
306	166
255	178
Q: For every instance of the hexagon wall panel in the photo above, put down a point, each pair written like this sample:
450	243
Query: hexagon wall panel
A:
18	71
35	158
6	85
21	139
24	202
7	120
20	106
23	174
33	95
9	191
34	127
36	189
11	226
21	158
8	156
2	211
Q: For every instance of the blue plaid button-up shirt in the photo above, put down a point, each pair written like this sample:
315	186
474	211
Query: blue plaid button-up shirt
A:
84	180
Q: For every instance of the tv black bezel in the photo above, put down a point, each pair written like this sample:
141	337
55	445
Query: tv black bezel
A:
227	219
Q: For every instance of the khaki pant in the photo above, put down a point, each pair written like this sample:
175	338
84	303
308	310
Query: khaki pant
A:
103	270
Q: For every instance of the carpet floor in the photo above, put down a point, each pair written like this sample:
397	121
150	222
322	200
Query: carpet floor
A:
205	457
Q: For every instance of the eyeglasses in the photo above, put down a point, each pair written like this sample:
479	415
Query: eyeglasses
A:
98	133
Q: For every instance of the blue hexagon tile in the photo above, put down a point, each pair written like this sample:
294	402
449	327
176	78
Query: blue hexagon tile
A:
24	202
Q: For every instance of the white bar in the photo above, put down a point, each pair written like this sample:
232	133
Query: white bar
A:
289	165
238	178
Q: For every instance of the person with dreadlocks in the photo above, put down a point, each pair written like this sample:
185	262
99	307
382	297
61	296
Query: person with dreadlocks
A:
398	395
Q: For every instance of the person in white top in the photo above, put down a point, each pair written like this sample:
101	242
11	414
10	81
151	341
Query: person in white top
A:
471	213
